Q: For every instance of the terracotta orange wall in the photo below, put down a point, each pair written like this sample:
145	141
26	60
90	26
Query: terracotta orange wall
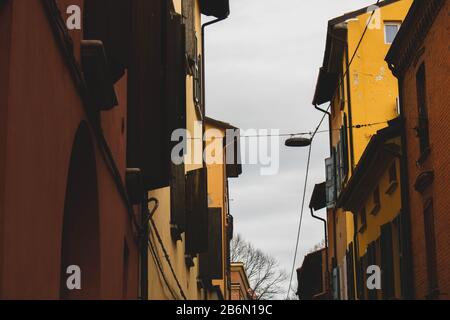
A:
44	111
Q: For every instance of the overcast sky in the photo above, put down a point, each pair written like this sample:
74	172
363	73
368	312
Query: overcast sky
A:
262	66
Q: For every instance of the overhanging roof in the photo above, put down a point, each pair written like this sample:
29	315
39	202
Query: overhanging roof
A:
220	124
374	161
318	198
234	170
328	78
217	8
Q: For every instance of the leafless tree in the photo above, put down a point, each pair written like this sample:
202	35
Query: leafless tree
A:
263	271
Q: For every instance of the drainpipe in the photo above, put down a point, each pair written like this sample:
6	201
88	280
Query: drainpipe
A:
350	114
352	154
203	59
146	215
334	212
326	245
144	234
329	123
407	267
406	213
356	271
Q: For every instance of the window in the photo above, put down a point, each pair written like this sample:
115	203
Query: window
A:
372	260
338	167
330	189
363	219
393	173
345	147
422	127
196	236
397	106
341	92
387	262
390	31
376	201
430	245
393	181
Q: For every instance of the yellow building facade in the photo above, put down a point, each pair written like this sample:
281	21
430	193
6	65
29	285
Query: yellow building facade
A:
178	229
360	95
373	194
219	171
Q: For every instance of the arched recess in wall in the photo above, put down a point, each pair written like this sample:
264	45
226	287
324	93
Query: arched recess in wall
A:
81	230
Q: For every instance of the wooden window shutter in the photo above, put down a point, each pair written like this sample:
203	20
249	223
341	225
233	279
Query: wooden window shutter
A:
362	267
233	156
360	276
211	262
350	273
189	20
197	212
110	22
147	139
176	116
178	201
345	145
215	243
387	267
175	74
372	260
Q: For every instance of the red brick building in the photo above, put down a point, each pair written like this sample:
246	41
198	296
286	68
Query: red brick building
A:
419	58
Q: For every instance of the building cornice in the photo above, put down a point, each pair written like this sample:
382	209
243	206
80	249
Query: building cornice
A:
411	36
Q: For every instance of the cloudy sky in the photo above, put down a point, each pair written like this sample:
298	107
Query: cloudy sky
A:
262	66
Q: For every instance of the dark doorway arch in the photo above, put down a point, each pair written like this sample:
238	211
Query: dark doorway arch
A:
81	230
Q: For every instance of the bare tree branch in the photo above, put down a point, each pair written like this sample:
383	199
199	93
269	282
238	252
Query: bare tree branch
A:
263	271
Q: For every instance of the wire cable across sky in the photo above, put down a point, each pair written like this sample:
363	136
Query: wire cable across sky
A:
309	155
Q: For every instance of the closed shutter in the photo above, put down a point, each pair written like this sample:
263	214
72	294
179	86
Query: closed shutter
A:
336	172
147	139
387	267
360	276
189	20
364	277
178	200
350	273
233	155
345	146
176	115
330	182
110	22
175	74
338	162
197	212
372	260
211	263
215	243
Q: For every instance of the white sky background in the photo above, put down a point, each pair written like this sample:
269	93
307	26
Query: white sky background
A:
262	65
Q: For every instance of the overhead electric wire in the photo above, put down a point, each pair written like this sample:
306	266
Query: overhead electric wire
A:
167	257
310	133
160	268
310	148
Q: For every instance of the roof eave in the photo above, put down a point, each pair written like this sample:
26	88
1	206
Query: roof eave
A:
370	159
217	8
